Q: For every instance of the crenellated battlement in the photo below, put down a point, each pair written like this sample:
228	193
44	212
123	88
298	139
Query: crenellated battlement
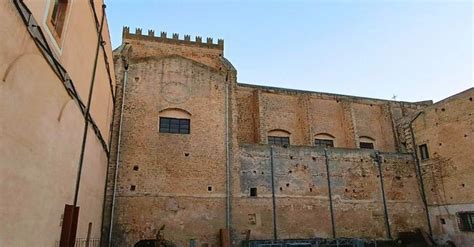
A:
126	34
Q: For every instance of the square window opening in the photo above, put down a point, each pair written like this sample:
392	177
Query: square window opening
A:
253	192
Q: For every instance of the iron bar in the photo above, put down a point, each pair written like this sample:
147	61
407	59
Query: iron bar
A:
333	226
117	158
228	157
385	210
275	236
88	238
106	59
38	37
86	120
420	175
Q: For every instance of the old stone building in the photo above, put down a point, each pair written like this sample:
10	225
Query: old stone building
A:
54	61
219	162
443	133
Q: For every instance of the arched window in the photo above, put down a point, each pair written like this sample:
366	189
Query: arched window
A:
279	137
324	140
175	121
366	142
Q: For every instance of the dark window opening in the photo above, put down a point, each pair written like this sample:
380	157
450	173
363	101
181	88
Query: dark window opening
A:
324	143
135	168
133	187
174	125
466	221
278	140
253	191
209	188
443	221
366	145
58	16
424	152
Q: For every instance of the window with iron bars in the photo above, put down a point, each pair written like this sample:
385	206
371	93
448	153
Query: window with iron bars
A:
278	140
174	125
366	145
466	221
324	143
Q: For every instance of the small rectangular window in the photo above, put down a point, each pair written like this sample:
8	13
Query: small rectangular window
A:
278	140
324	143
174	125
253	192
366	145
424	152
466	221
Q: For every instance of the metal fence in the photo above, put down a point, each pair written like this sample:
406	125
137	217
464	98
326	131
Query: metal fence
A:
317	242
82	242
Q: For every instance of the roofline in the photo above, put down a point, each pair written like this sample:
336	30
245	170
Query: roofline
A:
452	97
289	90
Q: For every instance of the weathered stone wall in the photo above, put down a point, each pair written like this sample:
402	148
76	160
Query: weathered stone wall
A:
171	173
447	128
302	198
179	179
306	114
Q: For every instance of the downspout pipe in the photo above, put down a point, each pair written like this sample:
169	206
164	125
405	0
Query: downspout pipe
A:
117	161
378	160
331	210
420	176
272	171
227	151
88	107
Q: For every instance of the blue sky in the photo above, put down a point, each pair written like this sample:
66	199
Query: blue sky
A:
414	49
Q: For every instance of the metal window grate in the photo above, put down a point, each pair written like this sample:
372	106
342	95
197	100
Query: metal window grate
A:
316	242
366	145
83	242
466	221
324	143
278	140
174	125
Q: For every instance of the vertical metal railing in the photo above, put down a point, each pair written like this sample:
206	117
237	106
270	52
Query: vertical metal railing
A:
83	242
